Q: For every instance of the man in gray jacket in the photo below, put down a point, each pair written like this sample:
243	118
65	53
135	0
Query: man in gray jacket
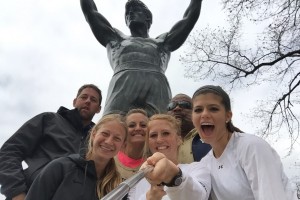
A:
45	137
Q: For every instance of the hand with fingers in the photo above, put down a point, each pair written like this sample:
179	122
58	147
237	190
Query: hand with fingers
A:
163	171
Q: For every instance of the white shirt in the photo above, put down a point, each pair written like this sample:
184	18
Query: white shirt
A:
196	179
248	169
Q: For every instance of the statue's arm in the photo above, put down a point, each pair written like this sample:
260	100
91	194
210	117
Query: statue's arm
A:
181	30
101	28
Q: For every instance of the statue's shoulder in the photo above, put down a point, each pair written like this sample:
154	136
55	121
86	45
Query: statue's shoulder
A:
120	34
162	37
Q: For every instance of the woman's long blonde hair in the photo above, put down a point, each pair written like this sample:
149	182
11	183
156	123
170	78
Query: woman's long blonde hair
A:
169	118
111	177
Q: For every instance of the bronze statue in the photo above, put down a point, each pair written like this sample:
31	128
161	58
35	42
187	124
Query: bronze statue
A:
139	62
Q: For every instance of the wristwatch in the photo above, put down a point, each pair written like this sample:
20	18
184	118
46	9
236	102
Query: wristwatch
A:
176	181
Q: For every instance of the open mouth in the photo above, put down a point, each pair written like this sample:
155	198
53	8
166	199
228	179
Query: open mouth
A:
207	129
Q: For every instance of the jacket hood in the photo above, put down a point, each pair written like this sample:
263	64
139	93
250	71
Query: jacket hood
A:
87	165
74	118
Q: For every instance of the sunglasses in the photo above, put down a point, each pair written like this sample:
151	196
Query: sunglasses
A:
181	104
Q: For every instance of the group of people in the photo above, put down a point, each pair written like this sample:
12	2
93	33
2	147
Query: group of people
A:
66	151
195	150
191	143
239	166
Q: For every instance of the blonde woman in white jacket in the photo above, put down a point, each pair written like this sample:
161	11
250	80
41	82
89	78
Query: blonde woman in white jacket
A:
164	138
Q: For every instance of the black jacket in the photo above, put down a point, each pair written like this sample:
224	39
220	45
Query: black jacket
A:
66	178
41	139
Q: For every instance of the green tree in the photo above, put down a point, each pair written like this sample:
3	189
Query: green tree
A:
224	54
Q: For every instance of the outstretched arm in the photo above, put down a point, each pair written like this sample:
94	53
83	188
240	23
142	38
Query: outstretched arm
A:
181	30
196	182
101	28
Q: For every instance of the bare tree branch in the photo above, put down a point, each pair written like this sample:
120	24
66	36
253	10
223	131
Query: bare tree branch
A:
222	54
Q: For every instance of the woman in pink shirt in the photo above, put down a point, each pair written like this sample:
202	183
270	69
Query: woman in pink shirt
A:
130	158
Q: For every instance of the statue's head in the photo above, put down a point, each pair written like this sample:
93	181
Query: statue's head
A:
138	4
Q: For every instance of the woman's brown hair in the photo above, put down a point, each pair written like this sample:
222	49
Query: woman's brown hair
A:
217	90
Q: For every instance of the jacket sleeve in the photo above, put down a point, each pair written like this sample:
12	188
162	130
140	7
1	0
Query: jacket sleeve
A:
196	183
14	151
264	170
47	182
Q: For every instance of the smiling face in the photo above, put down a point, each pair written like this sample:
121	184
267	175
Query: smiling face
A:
108	140
164	138
210	117
137	128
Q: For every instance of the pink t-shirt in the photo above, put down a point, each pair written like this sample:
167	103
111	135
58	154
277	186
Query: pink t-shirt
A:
129	162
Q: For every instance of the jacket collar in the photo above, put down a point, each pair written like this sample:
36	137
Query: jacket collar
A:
74	118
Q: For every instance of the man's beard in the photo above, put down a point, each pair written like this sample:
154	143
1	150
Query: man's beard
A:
86	117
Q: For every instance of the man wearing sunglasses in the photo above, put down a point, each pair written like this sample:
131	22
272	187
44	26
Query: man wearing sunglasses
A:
192	149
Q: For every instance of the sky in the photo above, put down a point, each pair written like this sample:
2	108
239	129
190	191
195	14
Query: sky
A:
47	51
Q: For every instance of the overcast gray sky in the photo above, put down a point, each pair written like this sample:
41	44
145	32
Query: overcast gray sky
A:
47	51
